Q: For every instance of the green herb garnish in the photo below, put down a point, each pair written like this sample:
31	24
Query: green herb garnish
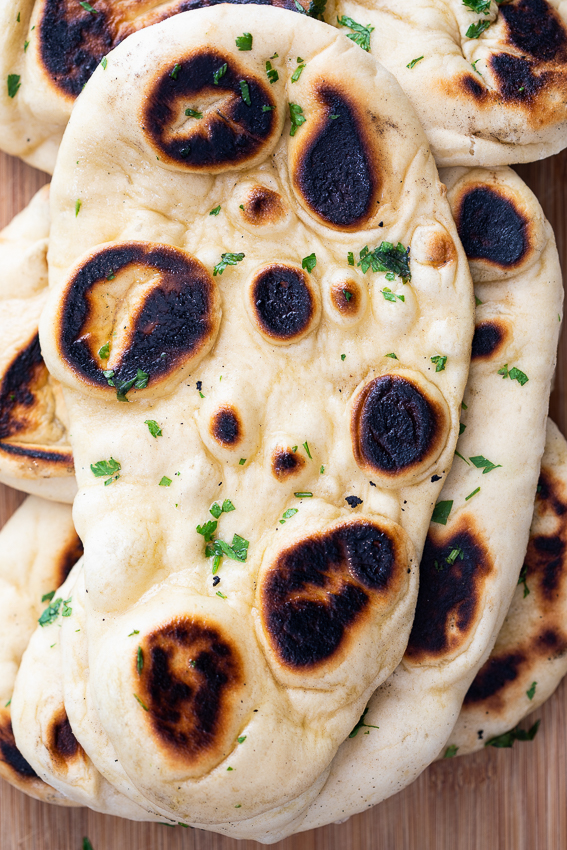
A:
474	492
88	8
227	260
139	660
303	495
87	844
523	579
387	258
153	427
165	481
78	205
242	461
103	61
273	75
306	447
220	72
288	514
451	751
174	73
350	258
441	512
242	739
207	530
361	723
144	706
225	508
296	116
507	739
51	613
476	30
530	693
392	355
414	62
297	73
483	463
104	468
391	296
479	6
140	382
361	34
216	210
193	113
439	361
47	597
104	351
309	262
245	92
514	374
244	41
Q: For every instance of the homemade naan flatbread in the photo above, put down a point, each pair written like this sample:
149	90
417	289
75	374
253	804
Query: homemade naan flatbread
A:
48	51
477	539
35	455
38	547
221	352
529	658
489	86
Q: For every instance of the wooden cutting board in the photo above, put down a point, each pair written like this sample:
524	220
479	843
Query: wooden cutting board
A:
493	800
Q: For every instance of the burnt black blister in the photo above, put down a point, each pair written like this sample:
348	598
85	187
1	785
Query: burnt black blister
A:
226	427
187	712
175	319
494	676
535	28
16	389
232	133
286	463
491	228
335	173
12	756
545	561
516	79
63	744
283	302
396	426
309	631
449	594
487	339
473	87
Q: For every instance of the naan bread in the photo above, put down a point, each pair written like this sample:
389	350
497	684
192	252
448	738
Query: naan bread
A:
35	455
289	646
48	51
38	547
473	555
493	99
529	658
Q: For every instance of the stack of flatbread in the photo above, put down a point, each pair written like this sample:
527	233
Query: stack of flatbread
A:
275	359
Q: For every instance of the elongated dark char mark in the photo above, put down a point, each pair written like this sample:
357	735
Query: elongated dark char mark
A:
11	756
226	427
16	390
493	677
394	426
492	228
336	173
283	302
230	132
318	589
73	40
450	592
61	456
190	675
488	339
535	27
62	744
176	321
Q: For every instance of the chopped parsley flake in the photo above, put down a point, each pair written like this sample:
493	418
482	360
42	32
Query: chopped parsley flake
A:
242	461
350	258
165	481
478	6
272	74
530	693
104	468
462	428
414	62
219	73
473	66
222	596
78	205
343	356
387	258
441	512
88	8
153	427
462	458
143	704
474	492
439	361
296	116
175	71
103	61
244	41
245	92
507	739
288	514
297	73
455	553
392	355
347	294
391	296
51	613
306	447
225	508
193	113
216	210
303	495
135	632
476	30
139	660
361	34
322	470
514	374
483	463
309	262
104	351
227	260
140	382
265	108
47	597
87	844
361	724
523	579
451	751
207	530
242	739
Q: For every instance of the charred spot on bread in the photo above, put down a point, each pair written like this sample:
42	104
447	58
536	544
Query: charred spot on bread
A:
188	680
18	388
68	557
283	302
516	78
286	463
492	228
395	427
489	337
10	754
231	130
335	174
494	676
61	743
534	27
451	591
263	206
346	297
174	323
226	426
318	589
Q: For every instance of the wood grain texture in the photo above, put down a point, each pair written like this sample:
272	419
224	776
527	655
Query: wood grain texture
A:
493	800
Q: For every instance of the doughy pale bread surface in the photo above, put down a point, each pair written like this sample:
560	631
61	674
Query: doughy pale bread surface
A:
268	381
38	547
492	100
35	455
529	658
50	48
470	565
